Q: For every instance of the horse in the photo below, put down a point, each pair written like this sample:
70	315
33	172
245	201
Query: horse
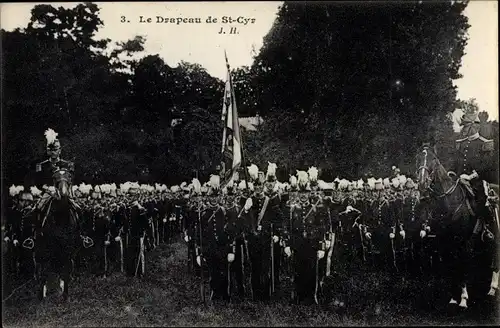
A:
454	218
58	234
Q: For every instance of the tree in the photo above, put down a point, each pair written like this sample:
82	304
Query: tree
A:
355	79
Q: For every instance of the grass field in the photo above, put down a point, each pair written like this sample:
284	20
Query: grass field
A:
169	296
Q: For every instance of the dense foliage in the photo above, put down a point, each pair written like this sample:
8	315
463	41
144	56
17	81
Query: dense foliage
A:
350	88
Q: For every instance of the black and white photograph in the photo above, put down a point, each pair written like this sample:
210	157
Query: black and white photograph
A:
232	163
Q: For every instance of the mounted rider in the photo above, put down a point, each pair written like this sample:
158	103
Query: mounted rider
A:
43	172
475	161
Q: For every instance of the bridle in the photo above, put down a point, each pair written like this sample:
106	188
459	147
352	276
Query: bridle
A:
62	176
430	178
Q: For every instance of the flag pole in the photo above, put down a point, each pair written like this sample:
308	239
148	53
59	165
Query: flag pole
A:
233	100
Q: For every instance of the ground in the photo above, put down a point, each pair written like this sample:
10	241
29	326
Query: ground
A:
170	296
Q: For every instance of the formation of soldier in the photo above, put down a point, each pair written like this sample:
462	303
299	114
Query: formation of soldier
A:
244	236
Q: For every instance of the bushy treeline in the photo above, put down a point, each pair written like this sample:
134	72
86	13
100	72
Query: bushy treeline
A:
352	89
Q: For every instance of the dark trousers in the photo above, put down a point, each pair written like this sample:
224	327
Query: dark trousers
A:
260	255
305	270
218	268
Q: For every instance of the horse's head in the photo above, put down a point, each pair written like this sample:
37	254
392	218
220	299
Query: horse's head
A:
62	182
427	164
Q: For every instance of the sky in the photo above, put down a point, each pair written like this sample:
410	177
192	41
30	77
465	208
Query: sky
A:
201	42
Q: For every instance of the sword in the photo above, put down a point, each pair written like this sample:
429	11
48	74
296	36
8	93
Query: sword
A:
249	264
272	260
202	282
242	266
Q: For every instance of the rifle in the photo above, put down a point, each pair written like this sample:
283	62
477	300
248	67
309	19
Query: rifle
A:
332	242
202	282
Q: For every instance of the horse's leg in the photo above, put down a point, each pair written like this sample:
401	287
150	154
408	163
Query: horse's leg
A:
42	282
64	283
495	268
463	263
493	284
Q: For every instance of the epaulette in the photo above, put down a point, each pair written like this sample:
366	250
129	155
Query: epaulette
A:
38	166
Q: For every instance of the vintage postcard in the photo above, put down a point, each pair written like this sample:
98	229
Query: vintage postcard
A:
250	163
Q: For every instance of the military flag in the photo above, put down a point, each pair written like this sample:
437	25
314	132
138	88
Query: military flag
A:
231	137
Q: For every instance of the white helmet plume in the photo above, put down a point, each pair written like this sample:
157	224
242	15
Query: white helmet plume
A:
253	171
196	186
271	169
51	136
313	173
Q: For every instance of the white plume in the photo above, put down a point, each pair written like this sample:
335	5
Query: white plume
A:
14	190
361	183
323	185
175	188
343	184
313	173
371	183
395	182
402	180
214	181
271	169
387	183
293	181
196	186
253	171
35	191
51	136
242	185
302	178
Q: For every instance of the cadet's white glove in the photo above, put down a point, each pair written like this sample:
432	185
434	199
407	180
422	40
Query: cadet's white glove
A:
288	251
422	233
6	239
349	209
368	235
118	238
186	238
465	177
164	220
402	234
106	242
259	228
230	257
392	235
15	242
248	204
321	254
327	244
428	228
276	239
198	260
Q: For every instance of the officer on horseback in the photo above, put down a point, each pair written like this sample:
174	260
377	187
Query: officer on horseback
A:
44	170
475	161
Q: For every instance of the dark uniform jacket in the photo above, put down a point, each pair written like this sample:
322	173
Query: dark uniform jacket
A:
476	154
42	173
